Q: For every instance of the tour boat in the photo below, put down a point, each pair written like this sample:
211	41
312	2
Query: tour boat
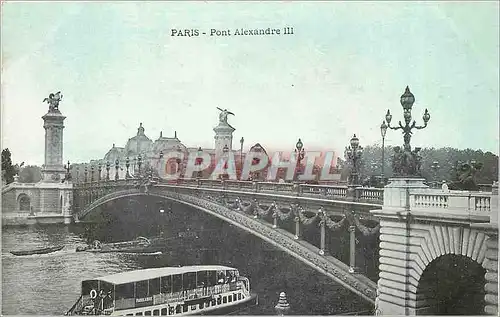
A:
166	291
38	251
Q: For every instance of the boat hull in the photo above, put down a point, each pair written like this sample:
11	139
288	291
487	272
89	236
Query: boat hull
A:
38	251
233	310
133	250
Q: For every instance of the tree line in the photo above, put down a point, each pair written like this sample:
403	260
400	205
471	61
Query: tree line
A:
457	167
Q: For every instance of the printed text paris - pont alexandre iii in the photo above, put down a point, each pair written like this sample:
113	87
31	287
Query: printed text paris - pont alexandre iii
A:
232	32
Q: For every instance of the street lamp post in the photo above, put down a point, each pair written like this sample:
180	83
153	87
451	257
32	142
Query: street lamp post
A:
68	168
241	156
300	153
434	167
199	159
383	131
353	154
407	162
178	161
225	150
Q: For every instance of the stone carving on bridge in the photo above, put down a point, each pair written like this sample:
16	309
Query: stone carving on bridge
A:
406	163
366	231
332	225
283	215
53	101
355	220
223	115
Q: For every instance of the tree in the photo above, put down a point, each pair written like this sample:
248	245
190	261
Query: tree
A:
30	174
8	170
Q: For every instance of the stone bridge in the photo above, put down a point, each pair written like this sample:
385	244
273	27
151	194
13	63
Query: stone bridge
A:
418	228
248	204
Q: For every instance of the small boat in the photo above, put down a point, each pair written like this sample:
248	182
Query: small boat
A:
166	291
139	245
38	251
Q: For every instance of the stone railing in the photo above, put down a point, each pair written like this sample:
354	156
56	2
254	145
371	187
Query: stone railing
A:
372	195
468	201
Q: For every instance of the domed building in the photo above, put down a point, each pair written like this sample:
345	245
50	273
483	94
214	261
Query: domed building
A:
141	149
115	153
139	144
164	145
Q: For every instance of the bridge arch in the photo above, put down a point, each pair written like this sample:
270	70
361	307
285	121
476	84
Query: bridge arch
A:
410	253
454	256
451	285
335	269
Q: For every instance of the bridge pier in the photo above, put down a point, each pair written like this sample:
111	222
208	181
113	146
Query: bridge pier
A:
418	241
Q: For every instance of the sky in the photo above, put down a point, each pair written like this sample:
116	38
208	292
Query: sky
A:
117	65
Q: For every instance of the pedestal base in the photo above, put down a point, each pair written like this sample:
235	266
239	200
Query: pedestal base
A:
53	174
396	191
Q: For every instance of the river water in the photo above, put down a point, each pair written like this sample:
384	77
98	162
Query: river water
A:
49	284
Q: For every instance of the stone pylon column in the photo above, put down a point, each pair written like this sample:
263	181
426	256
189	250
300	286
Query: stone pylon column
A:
53	168
223	136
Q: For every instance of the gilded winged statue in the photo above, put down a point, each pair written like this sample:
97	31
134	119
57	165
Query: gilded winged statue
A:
53	101
223	115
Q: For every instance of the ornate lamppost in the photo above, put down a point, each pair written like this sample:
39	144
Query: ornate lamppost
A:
127	165
139	163
434	167
178	161
99	170
225	150
353	155
383	131
299	152
241	155
117	165
407	162
199	159
68	174
108	166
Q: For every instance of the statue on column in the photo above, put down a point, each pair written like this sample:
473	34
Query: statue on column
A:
53	101
223	115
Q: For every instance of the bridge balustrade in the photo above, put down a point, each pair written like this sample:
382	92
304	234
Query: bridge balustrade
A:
454	200
467	201
333	192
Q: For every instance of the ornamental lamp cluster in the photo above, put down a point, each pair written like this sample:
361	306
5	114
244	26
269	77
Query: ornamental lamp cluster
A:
406	162
299	152
353	153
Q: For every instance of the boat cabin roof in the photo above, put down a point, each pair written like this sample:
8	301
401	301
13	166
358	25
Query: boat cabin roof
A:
146	274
